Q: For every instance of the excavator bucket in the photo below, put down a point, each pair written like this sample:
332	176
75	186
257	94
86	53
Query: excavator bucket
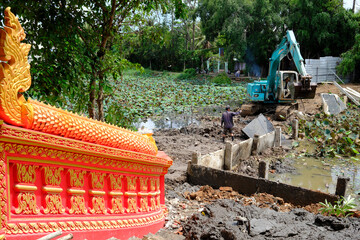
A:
305	89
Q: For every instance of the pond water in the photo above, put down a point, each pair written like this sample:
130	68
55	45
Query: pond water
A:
321	174
173	120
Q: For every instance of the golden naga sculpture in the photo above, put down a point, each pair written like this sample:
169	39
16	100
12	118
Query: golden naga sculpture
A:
15	110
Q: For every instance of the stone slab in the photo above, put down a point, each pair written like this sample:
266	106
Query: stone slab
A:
259	126
332	104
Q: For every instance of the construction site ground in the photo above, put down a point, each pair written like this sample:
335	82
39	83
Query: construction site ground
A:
201	212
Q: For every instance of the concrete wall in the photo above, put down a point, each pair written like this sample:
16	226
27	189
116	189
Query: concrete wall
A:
213	160
231	156
234	153
264	141
249	185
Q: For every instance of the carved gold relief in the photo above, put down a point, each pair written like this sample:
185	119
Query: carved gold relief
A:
131	183
52	175
26	173
152	184
77	178
53	204
144	205
14	73
143	184
153	204
132	206
98	204
27	204
117	206
77	203
97	180
115	182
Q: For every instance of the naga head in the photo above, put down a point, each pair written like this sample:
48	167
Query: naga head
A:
14	73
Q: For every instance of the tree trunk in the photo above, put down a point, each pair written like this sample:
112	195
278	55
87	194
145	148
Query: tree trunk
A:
354	5
100	99
92	90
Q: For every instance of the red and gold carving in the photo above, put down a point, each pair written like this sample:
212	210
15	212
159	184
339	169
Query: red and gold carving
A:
52	175
131	183
77	178
132	205
77	205
98	204
54	204
144	204
105	170
144	184
97	180
115	182
27	203
25	173
117	206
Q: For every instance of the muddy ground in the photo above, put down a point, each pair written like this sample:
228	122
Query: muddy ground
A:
193	214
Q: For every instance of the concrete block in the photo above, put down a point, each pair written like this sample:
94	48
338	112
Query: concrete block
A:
265	141
263	169
332	104
241	151
228	161
195	158
213	160
259	126
277	140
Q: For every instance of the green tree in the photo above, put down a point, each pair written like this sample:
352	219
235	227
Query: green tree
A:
76	45
327	29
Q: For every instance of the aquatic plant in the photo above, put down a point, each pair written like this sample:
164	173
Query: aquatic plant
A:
139	96
341	208
334	134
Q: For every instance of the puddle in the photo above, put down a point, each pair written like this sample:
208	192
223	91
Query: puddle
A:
172	120
321	174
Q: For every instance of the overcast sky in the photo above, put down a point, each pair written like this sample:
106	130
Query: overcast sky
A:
349	4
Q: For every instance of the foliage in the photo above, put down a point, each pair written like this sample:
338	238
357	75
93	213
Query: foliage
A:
327	29
340	208
138	96
221	79
77	46
350	58
189	73
334	134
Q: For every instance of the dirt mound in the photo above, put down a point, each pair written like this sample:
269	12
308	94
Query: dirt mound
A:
227	219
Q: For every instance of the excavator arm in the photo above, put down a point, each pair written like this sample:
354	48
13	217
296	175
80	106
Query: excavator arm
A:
289	45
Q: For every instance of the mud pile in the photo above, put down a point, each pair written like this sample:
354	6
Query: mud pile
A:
229	220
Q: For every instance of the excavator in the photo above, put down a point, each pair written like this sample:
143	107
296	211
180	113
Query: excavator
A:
282	87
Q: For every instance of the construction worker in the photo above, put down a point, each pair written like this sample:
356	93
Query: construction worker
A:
227	122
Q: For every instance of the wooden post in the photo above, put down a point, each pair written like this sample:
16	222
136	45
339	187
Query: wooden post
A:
263	169
341	186
277	142
295	129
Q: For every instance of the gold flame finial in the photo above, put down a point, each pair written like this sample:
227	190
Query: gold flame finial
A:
14	73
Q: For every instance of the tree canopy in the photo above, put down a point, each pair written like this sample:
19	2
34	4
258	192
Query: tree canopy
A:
80	48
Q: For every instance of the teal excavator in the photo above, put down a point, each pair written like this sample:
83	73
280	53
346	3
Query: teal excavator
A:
282	87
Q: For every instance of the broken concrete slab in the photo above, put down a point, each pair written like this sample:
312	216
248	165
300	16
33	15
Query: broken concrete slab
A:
332	104
259	126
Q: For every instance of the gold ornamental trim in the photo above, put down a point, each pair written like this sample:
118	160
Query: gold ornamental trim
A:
130	194
96	192
115	193
143	194
75	191
52	189
14	229
20	187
